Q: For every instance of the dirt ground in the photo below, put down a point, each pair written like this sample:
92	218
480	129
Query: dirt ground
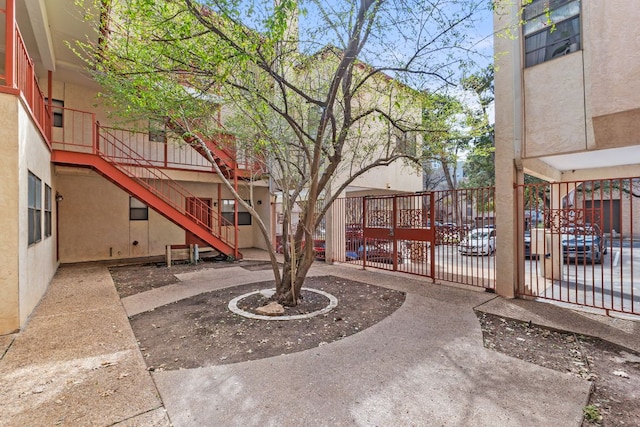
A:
201	331
613	370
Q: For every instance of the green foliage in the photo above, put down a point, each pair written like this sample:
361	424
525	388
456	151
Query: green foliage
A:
321	103
536	192
480	163
443	122
481	84
592	414
479	168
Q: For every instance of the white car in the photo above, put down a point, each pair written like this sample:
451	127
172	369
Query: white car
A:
479	241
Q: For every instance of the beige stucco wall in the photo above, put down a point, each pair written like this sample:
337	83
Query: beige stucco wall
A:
9	208
76	96
612	57
94	218
509	130
264	209
38	261
25	270
589	99
249	235
397	177
554	107
94	221
612	73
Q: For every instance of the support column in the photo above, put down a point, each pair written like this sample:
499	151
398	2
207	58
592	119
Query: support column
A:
329	235
508	145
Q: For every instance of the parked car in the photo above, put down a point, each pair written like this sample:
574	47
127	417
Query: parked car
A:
318	247
479	241
353	237
377	251
586	243
527	246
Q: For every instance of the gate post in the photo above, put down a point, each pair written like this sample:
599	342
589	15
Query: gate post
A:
364	239
394	225
432	244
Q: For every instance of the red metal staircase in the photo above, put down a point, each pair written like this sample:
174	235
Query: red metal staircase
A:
78	146
223	151
130	171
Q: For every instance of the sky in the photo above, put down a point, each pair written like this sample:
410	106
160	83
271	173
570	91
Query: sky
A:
403	35
398	39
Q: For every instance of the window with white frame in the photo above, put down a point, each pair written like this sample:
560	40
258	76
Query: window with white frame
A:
228	209
551	29
34	208
47	211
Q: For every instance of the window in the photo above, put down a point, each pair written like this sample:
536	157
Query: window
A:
47	211
406	143
157	131
228	206
138	211
56	111
314	115
551	29
35	208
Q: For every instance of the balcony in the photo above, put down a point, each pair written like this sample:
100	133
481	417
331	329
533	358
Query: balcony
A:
132	160
77	133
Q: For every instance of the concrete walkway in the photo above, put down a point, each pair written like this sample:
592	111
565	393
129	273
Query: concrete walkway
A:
77	363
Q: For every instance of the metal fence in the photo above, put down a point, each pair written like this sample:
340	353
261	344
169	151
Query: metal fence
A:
448	236
466	236
581	243
580	240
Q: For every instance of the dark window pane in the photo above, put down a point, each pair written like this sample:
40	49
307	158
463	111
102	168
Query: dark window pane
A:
57	112
244	218
47	211
559	38
34	211
138	214
138	211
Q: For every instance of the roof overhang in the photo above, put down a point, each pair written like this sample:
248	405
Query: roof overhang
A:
594	159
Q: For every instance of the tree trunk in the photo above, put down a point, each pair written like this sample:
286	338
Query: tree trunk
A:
288	291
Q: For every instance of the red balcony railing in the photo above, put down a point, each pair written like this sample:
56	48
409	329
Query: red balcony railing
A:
19	71
81	133
77	134
18	77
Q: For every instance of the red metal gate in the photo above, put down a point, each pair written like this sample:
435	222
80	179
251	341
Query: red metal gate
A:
433	234
398	233
582	243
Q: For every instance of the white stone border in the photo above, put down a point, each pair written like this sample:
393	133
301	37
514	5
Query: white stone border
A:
233	306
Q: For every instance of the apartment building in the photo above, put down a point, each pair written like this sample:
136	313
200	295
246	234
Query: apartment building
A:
77	188
567	92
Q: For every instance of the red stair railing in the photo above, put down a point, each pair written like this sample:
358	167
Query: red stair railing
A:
81	133
138	168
